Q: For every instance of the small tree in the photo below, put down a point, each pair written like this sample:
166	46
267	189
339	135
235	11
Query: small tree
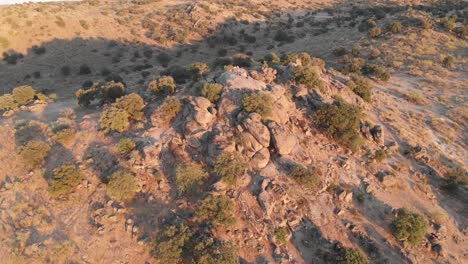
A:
258	102
133	104
23	94
189	177
171	243
7	102
64	180
112	90
114	119
34	153
122	186
409	226
307	177
212	91
309	76
455	179
230	166
85	96
362	87
217	210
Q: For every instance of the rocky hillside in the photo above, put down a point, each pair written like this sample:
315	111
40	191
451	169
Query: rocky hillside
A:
286	132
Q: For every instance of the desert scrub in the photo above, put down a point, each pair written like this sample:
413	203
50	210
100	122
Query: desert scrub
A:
362	87
114	119
64	179
164	84
455	179
309	178
110	91
211	91
281	235
7	102
171	243
375	32
23	94
409	226
304	59
198	70
215	210
125	145
380	155
395	27
379	72
169	110
340	121
258	102
122	186
448	62
189	177
309	76
33	153
230	166
351	256
133	104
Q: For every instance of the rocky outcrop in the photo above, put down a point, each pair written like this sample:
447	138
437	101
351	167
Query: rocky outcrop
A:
253	124
282	137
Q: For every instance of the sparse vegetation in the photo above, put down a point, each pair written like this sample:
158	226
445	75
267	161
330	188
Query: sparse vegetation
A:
122	186
409	226
64	180
230	167
258	102
351	256
309	178
455	179
281	235
169	110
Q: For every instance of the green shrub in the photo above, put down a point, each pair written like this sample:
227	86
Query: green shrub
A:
33	153
424	23
258	102
171	243
409	226
272	58
309	178
7	102
351	256
114	119
212	91
353	65
455	179
375	32
375	53
380	155
169	110
85	96
199	70
64	180
65	135
449	23
281	235
362	87
230	166
122	186
216	210
448	62
164	84
242	60
305	60
309	76
23	94
133	104
126	145
84	70
340	121
395	27
189	177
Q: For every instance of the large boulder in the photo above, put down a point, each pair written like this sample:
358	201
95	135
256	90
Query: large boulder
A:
282	137
253	124
260	159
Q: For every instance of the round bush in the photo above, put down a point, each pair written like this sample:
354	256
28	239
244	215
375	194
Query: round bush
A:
217	210
133	104
307	177
409	226
122	186
189	177
23	94
212	91
126	145
230	166
34	153
258	102
114	119
7	102
64	180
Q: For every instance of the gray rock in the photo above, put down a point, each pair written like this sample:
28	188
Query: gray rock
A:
283	139
258	130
